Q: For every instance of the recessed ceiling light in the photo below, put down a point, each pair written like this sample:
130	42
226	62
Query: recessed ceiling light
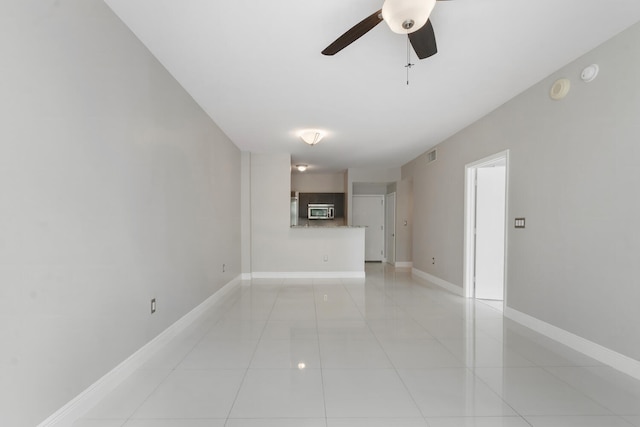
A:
301	168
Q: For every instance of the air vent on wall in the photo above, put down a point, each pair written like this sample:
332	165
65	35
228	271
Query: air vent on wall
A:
432	156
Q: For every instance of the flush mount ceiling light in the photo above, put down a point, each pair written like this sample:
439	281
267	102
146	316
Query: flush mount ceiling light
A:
311	136
301	168
406	16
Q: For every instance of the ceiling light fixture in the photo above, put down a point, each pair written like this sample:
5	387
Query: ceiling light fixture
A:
301	168
406	16
311	136
560	89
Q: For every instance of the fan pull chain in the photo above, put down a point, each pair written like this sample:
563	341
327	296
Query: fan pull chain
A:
409	64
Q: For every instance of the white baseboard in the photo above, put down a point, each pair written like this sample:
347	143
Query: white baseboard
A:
602	354
309	275
245	276
403	264
81	404
438	281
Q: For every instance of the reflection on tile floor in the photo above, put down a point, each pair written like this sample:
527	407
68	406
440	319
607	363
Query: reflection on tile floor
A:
385	351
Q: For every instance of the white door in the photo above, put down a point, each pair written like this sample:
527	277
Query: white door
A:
390	226
368	211
490	227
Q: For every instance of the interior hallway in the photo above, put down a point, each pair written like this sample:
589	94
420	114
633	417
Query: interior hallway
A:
385	351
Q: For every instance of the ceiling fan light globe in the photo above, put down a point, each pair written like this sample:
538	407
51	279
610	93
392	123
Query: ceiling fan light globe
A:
396	12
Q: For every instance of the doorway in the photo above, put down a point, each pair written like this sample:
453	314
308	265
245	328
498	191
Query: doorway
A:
485	227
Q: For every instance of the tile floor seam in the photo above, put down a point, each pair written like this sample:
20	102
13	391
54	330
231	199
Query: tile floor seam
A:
527	417
246	371
573	388
130	417
515	411
415	403
477	378
324	394
612	412
198	323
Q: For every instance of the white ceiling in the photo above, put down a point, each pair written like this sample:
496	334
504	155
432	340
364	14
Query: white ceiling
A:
255	67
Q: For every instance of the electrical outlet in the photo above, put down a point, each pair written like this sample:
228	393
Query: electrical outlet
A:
433	261
326	258
153	305
224	267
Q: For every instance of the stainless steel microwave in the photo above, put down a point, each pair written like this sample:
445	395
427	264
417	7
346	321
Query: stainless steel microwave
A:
321	211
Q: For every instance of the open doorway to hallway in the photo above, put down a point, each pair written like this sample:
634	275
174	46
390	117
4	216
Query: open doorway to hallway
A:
485	228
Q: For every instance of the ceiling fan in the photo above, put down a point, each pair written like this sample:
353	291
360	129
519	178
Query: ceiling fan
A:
409	17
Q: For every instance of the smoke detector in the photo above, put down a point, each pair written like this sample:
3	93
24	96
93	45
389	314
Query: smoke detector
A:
589	73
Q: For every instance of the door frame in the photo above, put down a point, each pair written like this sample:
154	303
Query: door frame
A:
469	221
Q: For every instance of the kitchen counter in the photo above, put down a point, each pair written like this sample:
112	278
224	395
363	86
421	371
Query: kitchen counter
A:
321	251
320	223
327	226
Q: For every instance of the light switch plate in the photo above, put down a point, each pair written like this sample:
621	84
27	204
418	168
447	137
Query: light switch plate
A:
519	223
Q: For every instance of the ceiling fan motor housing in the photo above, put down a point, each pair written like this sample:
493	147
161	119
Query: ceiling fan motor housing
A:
407	16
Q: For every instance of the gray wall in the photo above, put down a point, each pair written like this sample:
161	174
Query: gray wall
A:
404	212
574	176
245	213
115	187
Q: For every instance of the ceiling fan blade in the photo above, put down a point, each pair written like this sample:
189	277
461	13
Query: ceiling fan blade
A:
357	31
424	41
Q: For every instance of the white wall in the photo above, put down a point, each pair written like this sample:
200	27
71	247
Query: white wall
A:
276	248
115	187
574	176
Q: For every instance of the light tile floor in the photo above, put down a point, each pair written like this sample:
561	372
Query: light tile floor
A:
385	351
